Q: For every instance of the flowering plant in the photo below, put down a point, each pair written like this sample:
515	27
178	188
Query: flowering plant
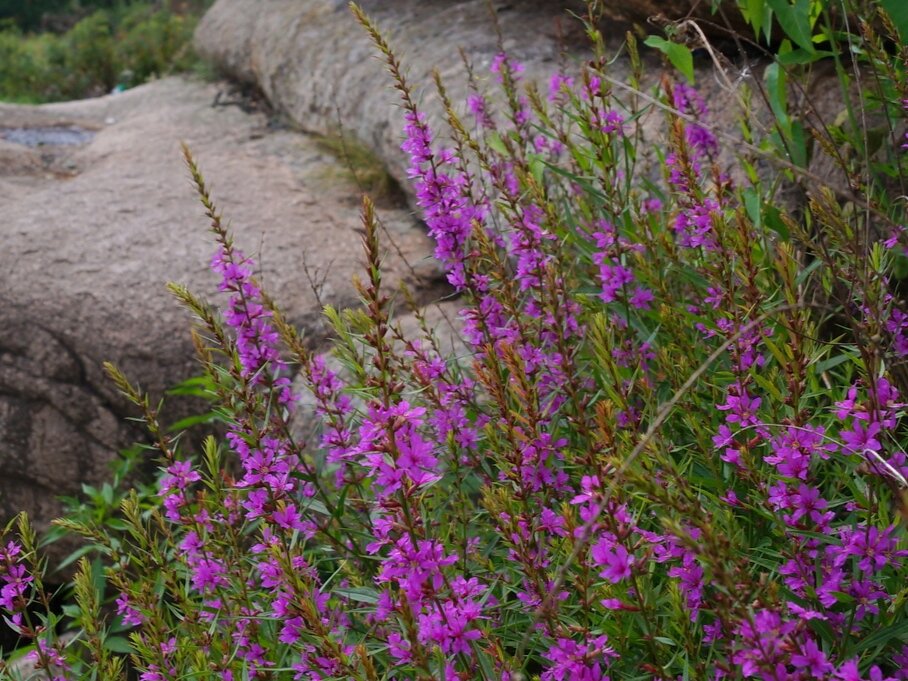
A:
673	451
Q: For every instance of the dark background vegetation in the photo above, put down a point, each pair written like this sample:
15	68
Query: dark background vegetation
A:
32	15
53	50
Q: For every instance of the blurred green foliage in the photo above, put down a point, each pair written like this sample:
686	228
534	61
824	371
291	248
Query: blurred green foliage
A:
123	45
27	14
32	15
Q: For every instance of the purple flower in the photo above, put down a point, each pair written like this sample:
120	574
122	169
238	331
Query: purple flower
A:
180	475
807	502
612	604
742	409
609	121
559	87
861	438
762	644
641	298
694	225
613	277
866	594
812	659
552	523
689	101
443	198
691	584
875	549
207	574
451	626
795	449
479	108
256	338
724	437
849	671
13	592
592	88
131	616
399	647
394	450
614	558
501	64
570	661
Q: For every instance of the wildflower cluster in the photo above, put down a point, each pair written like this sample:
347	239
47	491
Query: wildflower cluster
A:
673	451
22	597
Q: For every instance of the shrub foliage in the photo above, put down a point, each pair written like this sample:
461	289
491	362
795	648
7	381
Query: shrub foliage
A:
123	46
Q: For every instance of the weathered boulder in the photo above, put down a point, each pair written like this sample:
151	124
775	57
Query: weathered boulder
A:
92	233
315	63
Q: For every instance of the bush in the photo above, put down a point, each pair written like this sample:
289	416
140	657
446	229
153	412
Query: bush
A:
125	46
26	14
674	452
156	43
87	58
32	15
26	70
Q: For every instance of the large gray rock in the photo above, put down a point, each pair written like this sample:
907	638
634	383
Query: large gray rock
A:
92	233
315	63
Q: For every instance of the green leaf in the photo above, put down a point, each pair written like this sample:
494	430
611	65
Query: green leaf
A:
360	595
794	18
197	386
807	271
118	644
71	610
75	555
769	387
488	671
777	90
752	203
781	357
116	524
798	145
802	57
537	166
833	362
98	580
189	421
900	267
898	12
773	218
316	506
679	55
107	494
496	144
882	637
341	503
754	12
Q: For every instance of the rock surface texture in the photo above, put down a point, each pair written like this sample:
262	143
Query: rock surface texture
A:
316	64
92	233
